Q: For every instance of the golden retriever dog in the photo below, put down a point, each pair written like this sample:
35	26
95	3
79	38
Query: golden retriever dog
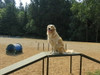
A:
54	39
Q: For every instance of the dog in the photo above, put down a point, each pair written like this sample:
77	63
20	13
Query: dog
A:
54	39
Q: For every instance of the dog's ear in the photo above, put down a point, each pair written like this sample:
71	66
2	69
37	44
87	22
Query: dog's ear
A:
54	27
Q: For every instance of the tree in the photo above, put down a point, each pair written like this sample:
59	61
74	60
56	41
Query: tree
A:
77	25
74	20
21	6
1	4
46	12
30	27
97	19
85	13
8	2
9	20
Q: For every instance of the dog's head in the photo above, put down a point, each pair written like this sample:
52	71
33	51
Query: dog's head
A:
51	28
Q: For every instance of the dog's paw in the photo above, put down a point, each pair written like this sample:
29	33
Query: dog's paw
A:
70	51
54	53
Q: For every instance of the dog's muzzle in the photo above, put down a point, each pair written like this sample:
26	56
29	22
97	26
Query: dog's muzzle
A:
49	29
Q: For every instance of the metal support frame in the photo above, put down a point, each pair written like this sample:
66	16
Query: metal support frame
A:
42	56
43	67
47	73
80	73
70	64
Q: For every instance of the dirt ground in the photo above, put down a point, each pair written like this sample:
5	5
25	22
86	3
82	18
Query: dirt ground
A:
58	65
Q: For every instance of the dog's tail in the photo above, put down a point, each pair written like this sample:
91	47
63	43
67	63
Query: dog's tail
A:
69	51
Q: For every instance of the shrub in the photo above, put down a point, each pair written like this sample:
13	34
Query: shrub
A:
94	73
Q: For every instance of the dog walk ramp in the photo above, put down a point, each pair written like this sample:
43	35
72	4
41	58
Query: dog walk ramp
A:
23	63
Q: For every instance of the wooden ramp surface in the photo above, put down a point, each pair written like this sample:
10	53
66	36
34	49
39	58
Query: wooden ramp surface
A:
31	60
22	63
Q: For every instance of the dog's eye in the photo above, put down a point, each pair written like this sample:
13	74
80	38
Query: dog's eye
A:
51	26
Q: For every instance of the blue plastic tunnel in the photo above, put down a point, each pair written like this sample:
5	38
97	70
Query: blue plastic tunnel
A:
14	48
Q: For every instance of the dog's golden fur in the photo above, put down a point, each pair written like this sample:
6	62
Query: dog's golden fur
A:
54	39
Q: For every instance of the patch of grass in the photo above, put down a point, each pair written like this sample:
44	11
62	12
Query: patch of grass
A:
94	73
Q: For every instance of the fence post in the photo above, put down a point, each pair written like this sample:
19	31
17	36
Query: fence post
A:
70	64
47	65
38	46
43	46
80	65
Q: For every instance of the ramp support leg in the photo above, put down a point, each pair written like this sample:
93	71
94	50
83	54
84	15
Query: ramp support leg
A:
43	67
80	65
47	65
70	64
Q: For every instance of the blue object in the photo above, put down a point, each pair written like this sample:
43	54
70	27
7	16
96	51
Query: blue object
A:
17	47
14	48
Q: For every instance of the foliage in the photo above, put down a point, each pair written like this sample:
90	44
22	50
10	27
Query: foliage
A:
30	26
85	13
94	73
79	21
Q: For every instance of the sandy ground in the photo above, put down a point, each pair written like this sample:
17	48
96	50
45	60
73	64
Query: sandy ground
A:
58	65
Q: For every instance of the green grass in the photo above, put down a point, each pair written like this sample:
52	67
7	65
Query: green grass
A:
94	73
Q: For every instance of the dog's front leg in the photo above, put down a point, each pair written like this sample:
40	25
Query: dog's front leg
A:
53	51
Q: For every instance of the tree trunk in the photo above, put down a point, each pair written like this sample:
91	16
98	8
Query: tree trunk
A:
86	32
97	31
